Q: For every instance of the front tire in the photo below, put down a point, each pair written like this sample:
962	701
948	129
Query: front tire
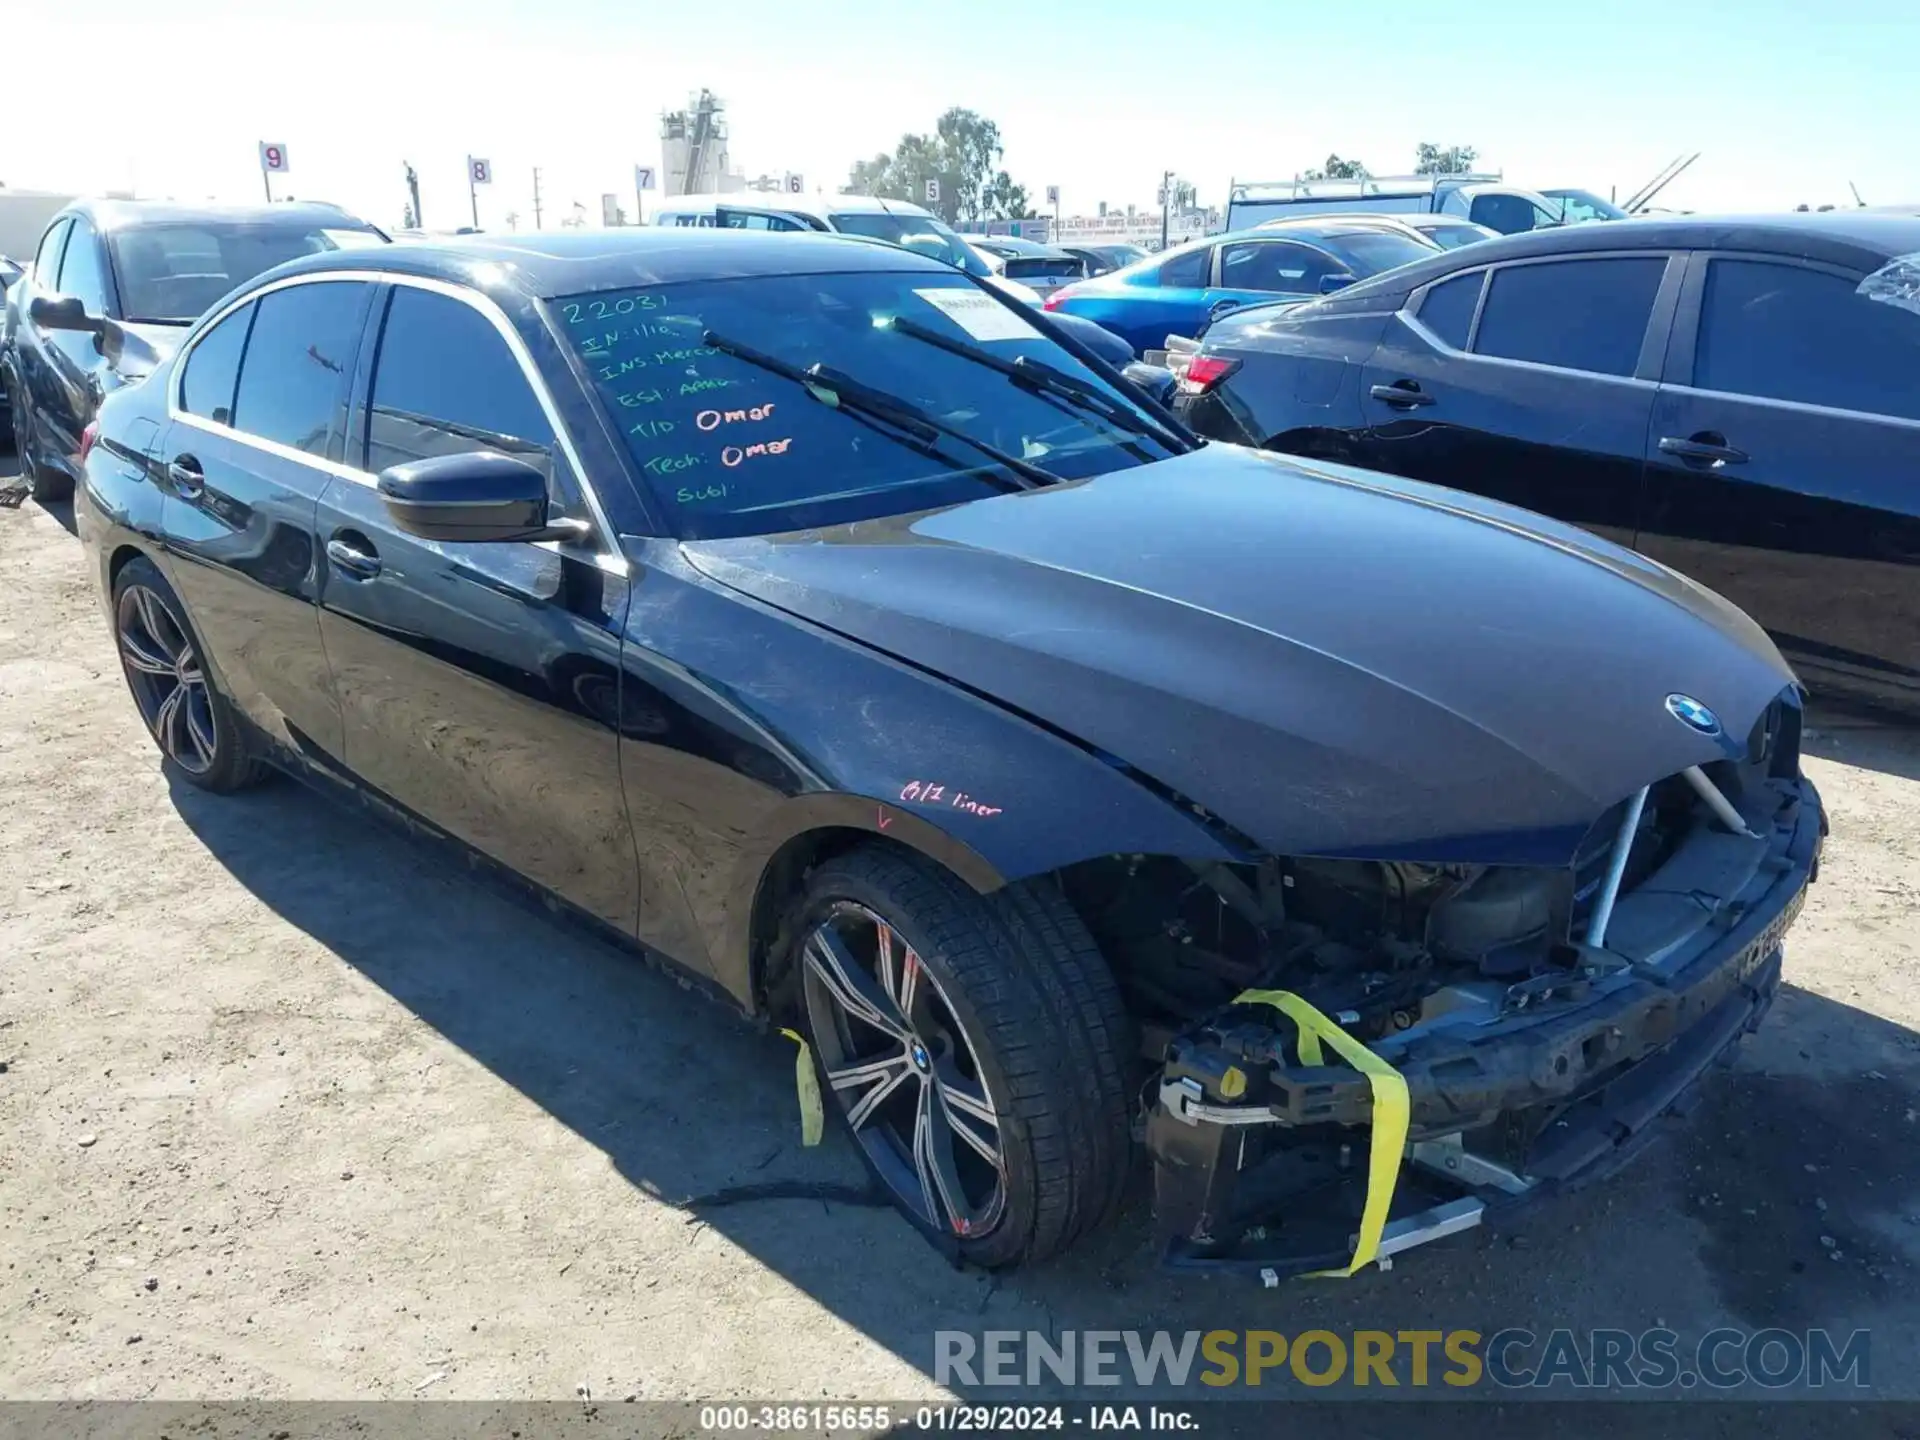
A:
977	1047
189	719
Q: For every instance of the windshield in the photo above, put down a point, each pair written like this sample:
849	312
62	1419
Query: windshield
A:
915	232
1369	252
171	274
730	448
1574	206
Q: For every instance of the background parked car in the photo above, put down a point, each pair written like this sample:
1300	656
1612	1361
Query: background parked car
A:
113	287
1449	232
1042	268
1106	258
1737	398
1178	292
897	222
10	271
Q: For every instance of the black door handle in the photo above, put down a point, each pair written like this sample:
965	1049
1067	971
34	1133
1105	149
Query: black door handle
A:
1708	448
1221	307
187	476
350	558
1403	394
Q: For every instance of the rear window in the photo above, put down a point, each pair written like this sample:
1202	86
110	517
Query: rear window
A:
172	274
1045	268
921	233
732	449
1371	251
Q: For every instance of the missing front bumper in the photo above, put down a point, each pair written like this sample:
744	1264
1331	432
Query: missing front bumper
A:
1260	1167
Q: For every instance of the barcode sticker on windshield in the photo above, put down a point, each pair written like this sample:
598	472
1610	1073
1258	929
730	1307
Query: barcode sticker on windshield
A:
979	314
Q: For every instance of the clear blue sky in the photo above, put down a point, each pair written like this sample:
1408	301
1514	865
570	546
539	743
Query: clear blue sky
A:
1788	103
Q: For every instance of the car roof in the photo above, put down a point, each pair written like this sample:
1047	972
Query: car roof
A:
1019	244
1854	238
817	205
1316	227
549	264
113	215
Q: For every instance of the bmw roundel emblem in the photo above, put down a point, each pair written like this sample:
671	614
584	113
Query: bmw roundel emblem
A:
1692	714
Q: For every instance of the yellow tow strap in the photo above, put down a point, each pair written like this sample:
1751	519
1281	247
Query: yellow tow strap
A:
812	1119
1390	1110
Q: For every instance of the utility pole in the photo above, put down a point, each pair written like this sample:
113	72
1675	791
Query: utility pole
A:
536	197
1166	202
413	190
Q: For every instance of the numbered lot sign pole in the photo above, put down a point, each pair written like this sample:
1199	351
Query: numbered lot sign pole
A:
273	156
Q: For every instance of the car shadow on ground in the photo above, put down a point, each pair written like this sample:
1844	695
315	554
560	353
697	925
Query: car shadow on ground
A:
1868	739
1804	1150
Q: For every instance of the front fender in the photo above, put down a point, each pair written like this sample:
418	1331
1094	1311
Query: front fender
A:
761	728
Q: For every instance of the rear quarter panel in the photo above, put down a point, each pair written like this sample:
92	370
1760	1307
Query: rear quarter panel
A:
1298	381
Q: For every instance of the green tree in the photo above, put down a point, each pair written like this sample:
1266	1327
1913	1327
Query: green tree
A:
1338	169
1432	159
963	155
1005	200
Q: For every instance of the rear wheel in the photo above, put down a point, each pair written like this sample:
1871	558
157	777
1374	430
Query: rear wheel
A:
44	482
976	1047
189	719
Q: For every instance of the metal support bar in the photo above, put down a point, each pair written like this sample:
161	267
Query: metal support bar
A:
1617	869
1428	1226
1446	1156
1716	802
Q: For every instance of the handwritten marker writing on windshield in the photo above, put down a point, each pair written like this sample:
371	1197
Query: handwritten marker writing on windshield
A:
734	455
714	419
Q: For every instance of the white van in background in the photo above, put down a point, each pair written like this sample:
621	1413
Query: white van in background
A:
898	222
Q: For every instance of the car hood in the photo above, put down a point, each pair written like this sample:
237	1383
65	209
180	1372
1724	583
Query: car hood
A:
1332	662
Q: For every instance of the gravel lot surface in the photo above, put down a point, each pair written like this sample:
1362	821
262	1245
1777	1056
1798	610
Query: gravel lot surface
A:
291	1107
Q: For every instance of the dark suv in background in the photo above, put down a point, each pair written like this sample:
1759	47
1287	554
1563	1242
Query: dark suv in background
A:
112	289
1736	398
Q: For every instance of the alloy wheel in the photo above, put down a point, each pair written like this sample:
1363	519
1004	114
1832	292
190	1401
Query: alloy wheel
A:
168	681
905	1072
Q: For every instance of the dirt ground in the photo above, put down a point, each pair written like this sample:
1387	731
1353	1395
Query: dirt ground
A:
292	1108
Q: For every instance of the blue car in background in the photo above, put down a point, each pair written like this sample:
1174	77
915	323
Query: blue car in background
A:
1179	291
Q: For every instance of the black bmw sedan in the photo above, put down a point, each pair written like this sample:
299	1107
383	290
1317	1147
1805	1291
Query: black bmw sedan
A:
113	287
810	615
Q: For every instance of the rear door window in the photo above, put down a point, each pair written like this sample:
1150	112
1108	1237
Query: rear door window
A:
293	380
445	383
213	368
1275	265
1185	272
1786	332
1587	314
1447	308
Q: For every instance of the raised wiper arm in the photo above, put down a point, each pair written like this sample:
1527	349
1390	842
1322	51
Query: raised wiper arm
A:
831	387
1038	375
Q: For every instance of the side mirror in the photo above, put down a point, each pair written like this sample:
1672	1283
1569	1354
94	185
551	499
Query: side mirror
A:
1331	283
477	496
64	312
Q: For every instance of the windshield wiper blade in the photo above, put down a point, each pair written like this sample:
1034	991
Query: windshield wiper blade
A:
831	387
1037	375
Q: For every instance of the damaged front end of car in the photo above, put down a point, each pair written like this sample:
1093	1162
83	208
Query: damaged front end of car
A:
1356	1057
